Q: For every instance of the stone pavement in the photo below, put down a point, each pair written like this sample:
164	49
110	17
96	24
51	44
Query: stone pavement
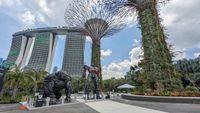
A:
115	107
73	108
166	107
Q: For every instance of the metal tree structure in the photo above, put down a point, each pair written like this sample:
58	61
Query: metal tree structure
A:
97	21
158	67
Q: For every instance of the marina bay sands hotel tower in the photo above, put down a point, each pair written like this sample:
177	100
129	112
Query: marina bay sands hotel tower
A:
41	44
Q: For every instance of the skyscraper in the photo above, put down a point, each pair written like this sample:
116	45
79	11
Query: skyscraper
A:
35	48
17	50
74	54
43	51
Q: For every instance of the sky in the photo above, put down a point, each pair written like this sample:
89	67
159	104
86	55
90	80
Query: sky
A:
180	18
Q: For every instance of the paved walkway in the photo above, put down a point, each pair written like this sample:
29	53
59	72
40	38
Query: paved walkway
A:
115	107
166	107
74	108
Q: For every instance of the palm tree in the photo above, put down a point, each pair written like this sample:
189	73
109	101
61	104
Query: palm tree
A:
36	78
14	79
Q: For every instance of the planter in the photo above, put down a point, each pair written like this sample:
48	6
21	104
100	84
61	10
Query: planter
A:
168	99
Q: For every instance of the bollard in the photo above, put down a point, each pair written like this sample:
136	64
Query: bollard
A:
103	97
47	101
95	97
86	98
75	97
63	99
31	102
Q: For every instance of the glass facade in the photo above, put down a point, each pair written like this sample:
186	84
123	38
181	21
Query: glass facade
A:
16	52
74	54
41	52
39	55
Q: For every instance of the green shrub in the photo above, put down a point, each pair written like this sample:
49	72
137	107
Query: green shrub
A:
165	93
6	99
20	95
192	89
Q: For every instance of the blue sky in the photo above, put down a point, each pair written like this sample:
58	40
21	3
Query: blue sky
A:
119	51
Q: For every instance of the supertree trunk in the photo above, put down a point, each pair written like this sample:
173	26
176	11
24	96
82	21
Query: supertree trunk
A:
96	58
157	58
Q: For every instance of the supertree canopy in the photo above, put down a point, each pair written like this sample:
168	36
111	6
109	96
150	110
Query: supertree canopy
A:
158	67
97	21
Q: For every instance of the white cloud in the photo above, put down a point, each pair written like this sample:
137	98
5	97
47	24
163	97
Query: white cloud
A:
9	3
116	69
181	19
106	53
88	39
47	12
28	18
196	54
135	55
119	69
179	56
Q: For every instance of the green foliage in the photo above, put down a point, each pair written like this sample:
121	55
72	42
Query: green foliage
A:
78	84
15	79
6	99
112	84
22	83
35	78
96	58
165	93
21	94
135	76
188	66
191	89
139	90
158	67
190	70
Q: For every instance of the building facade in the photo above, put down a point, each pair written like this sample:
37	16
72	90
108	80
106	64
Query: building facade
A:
40	44
17	50
43	51
74	54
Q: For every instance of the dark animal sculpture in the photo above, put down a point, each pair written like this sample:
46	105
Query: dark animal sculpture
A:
55	82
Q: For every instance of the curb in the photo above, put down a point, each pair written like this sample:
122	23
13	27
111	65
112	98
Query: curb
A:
191	100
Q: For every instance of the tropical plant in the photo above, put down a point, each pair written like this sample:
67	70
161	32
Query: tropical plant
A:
36	78
78	84
14	80
135	76
113	83
190	70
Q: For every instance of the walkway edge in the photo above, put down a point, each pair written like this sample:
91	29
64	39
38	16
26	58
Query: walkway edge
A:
191	100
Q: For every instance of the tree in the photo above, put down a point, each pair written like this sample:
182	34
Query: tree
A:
113	83
15	79
135	76
97	22
190	70
36	78
158	68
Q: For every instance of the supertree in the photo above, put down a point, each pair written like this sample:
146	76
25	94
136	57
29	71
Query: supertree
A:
97	21
158	67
